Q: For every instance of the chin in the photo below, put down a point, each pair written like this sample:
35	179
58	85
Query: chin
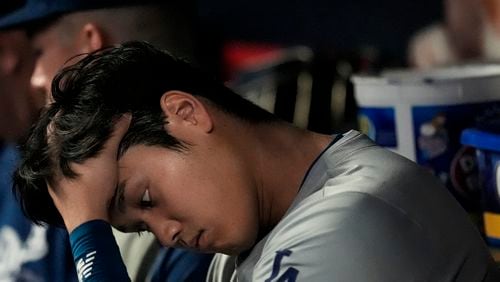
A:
231	250
237	241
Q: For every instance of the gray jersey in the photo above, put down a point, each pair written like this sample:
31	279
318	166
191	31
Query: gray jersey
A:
366	214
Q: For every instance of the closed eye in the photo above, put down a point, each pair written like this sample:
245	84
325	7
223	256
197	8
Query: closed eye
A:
146	201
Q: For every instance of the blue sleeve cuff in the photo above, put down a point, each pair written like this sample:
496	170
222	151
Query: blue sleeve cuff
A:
96	254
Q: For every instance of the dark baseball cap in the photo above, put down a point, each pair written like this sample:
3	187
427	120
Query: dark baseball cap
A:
9	5
30	11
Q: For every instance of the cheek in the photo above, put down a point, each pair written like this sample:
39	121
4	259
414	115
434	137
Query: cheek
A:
229	216
218	198
230	213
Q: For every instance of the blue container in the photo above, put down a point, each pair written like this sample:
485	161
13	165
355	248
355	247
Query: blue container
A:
488	160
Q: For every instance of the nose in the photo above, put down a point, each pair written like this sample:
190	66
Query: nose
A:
167	231
40	83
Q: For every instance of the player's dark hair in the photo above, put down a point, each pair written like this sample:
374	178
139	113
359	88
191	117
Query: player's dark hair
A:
89	96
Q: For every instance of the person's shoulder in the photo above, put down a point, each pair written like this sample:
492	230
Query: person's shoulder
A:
315	240
356	162
323	216
9	156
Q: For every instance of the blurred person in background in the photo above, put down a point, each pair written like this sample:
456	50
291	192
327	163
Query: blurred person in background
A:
28	252
19	106
470	32
62	29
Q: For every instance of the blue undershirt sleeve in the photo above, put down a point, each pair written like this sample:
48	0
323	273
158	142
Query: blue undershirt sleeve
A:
96	254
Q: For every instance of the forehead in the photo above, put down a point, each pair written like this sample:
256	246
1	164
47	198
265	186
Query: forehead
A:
152	161
136	158
138	153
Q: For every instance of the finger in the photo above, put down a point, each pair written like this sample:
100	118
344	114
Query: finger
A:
119	130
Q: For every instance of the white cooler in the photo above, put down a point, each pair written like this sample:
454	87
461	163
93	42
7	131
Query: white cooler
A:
420	115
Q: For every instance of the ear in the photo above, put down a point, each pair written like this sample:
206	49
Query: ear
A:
184	110
90	38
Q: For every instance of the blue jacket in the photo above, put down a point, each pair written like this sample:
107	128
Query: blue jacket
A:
28	252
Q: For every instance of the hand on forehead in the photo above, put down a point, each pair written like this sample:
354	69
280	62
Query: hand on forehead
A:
110	148
85	195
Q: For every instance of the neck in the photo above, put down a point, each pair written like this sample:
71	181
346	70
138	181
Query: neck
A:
283	158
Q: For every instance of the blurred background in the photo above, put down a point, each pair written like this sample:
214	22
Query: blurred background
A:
343	37
331	26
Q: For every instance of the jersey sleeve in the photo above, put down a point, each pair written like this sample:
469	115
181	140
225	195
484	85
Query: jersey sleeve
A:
96	254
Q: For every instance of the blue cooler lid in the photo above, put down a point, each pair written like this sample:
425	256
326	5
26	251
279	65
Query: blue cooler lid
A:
480	139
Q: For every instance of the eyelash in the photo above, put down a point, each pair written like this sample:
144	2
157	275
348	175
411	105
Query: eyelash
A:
146	204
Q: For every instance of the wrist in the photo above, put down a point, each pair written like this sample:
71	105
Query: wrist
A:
76	219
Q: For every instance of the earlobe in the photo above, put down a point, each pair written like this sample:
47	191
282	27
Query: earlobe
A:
182	108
